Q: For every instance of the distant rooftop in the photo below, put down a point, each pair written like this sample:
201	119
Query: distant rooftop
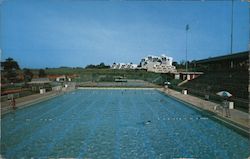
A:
39	81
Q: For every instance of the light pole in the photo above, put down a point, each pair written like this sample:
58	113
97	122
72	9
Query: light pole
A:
232	21
187	28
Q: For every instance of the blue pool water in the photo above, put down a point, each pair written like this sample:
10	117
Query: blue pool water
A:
113	124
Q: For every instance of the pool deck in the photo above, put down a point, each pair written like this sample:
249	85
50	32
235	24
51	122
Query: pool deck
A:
237	117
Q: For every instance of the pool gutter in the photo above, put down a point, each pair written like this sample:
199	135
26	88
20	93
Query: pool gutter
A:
118	88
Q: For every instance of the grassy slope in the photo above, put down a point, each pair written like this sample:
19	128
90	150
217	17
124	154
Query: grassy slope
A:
109	74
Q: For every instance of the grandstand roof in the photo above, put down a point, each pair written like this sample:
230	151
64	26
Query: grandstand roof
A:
244	54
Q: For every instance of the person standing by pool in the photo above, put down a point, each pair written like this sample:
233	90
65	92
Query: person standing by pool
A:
225	106
13	103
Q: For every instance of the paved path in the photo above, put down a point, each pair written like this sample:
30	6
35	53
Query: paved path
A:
237	116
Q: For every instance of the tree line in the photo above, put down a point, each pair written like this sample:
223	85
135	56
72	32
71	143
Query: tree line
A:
182	65
10	72
100	66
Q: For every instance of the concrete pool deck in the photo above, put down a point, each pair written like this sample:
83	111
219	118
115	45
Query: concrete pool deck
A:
237	117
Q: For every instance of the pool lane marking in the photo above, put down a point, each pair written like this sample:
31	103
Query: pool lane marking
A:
36	106
200	113
97	122
37	118
23	127
146	141
48	149
197	133
20	115
117	153
204	126
178	113
177	141
125	114
41	106
29	139
175	100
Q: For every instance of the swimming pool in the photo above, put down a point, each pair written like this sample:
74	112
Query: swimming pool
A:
113	124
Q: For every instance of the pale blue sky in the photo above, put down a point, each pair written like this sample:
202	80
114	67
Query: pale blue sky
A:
53	33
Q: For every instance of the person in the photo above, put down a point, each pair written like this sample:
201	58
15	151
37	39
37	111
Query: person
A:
148	122
226	108
14	103
166	88
144	123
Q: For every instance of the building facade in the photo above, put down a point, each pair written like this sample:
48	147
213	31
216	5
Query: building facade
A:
158	64
123	66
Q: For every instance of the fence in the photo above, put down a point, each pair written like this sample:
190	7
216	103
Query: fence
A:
16	95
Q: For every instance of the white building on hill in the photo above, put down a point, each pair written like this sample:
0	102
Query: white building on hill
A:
123	66
159	64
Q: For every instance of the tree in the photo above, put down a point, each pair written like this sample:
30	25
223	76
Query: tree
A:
181	65
28	75
175	64
100	66
90	66
10	64
10	67
42	73
11	76
193	63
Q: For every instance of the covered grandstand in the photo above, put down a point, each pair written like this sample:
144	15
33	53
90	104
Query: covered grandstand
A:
228	72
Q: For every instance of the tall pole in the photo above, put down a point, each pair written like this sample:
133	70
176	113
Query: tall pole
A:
232	20
187	28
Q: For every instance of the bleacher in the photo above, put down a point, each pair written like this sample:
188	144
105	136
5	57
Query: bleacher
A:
212	82
219	76
236	83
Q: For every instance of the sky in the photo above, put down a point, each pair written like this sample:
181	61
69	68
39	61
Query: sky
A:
75	33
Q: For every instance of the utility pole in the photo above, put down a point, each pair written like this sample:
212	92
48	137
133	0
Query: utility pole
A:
187	28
